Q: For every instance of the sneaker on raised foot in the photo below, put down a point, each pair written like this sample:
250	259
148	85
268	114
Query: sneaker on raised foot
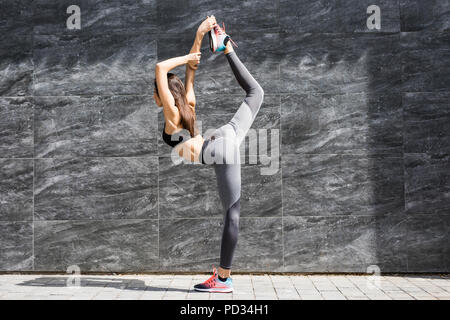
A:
218	39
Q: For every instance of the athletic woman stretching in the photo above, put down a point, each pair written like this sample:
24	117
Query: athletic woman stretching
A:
222	149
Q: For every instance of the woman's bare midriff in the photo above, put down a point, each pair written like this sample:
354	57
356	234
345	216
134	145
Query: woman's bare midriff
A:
191	149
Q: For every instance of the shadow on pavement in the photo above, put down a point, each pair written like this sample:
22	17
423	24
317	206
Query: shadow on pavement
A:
122	284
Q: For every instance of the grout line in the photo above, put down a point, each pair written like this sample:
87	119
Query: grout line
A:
159	220
84	157
273	287
404	174
32	244
84	220
33	78
281	183
212	218
283	93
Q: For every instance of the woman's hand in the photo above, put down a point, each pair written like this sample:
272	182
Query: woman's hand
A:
207	25
193	59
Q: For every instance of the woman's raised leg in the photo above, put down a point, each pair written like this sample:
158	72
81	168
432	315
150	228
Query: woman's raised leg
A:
246	114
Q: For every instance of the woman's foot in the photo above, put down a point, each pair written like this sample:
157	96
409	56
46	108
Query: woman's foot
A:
228	48
213	284
218	39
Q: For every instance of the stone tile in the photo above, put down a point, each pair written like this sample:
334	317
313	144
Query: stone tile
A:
310	233
352	251
102	64
96	16
264	253
151	295
16	64
239	16
95	126
260	245
325	287
82	297
425	70
16	125
96	188
308	292
332	295
331	185
312	297
363	62
352	123
287	294
391	242
417	15
221	296
16	17
316	132
427	236
242	291
243	297
174	284
425	40
357	298
13	296
16	246
426	181
351	292
179	250
265	297
175	296
302	284
198	296
324	236
16	190
378	297
106	245
336	16
105	296
176	199
400	296
429	297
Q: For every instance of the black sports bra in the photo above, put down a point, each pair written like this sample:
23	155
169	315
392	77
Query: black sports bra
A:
168	138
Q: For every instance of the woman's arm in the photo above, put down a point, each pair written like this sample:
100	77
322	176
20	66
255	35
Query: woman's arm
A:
204	28
162	68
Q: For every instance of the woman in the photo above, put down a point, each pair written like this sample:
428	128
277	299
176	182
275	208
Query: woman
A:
222	148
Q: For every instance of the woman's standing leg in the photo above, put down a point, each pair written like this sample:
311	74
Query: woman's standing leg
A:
229	175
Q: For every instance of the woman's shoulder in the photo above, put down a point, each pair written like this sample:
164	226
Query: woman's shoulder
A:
171	127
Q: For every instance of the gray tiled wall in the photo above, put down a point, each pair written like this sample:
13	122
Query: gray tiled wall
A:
364	121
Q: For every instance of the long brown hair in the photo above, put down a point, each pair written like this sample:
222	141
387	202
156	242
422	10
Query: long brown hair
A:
176	88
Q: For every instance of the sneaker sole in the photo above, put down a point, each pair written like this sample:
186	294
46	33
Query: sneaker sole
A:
212	41
215	290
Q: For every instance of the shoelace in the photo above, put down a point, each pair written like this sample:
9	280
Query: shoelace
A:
211	281
222	31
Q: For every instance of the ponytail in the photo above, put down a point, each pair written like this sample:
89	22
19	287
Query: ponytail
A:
176	88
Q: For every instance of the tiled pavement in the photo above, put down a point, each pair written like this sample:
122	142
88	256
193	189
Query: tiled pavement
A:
247	287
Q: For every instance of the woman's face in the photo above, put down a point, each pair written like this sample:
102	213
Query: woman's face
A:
156	98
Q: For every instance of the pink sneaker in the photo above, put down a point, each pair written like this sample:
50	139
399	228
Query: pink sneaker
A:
213	284
218	39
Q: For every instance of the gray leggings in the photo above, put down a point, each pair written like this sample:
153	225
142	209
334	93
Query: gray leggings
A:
222	150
